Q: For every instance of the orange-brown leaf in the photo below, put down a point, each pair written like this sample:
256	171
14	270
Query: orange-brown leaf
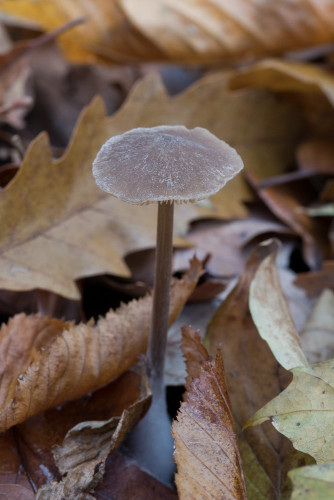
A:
206	451
194	353
189	31
81	357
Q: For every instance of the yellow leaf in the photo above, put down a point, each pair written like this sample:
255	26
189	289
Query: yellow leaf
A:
304	411
206	451
271	315
190	31
253	377
315	482
277	75
64	361
60	227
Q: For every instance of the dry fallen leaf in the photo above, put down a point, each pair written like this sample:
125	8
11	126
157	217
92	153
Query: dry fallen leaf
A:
286	202
123	477
315	482
206	451
81	457
15	492
25	450
314	282
15	101
81	358
278	75
190	31
304	411
271	314
226	241
57	214
317	336
253	377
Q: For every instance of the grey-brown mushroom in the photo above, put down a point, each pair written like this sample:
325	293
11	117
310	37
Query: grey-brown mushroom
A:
164	164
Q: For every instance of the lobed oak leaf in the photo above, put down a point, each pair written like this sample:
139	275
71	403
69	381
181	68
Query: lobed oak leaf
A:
80	358
206	450
56	213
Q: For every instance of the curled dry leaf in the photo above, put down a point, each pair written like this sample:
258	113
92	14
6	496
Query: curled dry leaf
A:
190	31
254	377
304	411
278	75
271	314
315	482
25	450
81	357
206	451
82	456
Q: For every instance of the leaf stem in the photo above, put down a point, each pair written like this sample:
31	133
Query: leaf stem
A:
160	313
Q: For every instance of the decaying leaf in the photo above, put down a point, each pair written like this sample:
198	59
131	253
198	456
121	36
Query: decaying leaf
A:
206	451
194	353
253	377
123	477
82	456
315	482
271	315
314	282
286	202
304	411
80	358
317	336
225	241
189	31
57	214
14	71
278	75
25	450
317	155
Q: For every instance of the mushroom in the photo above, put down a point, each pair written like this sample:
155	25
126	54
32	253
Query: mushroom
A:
164	164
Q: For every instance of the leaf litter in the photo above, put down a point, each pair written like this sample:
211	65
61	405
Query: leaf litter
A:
280	118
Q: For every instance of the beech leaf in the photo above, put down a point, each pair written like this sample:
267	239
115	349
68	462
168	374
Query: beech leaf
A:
81	358
206	451
289	76
190	31
271	315
254	377
304	411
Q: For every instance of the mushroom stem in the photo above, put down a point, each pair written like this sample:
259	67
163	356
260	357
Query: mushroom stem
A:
160	313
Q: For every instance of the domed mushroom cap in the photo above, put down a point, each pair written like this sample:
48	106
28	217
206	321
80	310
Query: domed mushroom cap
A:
165	163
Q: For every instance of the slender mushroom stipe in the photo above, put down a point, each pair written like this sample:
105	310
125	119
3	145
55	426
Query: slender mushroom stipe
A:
164	164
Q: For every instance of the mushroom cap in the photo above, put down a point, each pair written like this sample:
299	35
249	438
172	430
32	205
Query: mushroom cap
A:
165	163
